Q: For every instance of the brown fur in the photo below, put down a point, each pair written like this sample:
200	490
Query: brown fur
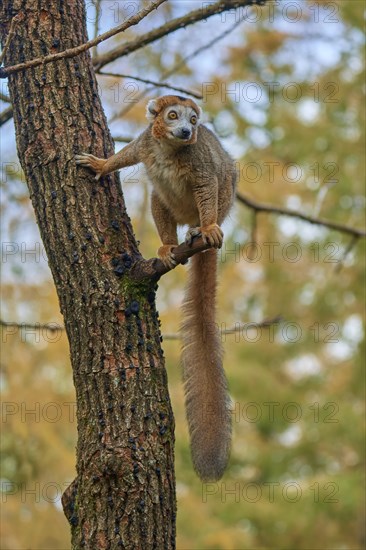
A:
193	183
207	399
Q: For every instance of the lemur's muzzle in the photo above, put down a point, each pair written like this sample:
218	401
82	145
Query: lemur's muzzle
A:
184	133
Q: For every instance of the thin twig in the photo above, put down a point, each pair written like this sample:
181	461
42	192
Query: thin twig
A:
253	236
16	19
72	52
347	250
6	115
52	327
261	207
203	48
96	26
154	268
155	84
123	139
5	98
204	12
178	66
238	327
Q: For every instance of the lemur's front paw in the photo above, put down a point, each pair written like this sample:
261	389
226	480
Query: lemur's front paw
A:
166	255
212	234
191	233
90	161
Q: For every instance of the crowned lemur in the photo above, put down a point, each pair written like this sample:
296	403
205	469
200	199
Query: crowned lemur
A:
194	181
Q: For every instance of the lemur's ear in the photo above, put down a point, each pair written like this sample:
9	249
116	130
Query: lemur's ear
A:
151	111
199	112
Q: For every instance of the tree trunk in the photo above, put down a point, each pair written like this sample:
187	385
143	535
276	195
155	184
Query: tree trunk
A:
124	493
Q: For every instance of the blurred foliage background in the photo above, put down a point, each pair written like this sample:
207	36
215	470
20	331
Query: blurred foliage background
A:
284	89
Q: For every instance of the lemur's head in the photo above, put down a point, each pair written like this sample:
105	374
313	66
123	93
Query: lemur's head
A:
174	118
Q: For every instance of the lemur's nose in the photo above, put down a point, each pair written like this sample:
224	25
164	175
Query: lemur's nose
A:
185	133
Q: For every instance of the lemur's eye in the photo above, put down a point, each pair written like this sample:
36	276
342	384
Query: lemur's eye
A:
193	119
172	115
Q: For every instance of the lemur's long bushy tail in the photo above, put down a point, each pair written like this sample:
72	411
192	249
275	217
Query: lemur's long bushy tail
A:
207	399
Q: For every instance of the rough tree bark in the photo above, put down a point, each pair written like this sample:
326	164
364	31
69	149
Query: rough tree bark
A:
124	492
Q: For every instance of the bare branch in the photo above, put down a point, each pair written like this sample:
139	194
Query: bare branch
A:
154	83
238	327
205	47
6	115
96	26
347	250
178	65
261	207
16	19
5	98
72	52
172	71
123	139
253	236
154	268
180	22
52	327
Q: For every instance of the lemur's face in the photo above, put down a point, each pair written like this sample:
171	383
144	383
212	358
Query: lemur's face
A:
181	122
175	119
